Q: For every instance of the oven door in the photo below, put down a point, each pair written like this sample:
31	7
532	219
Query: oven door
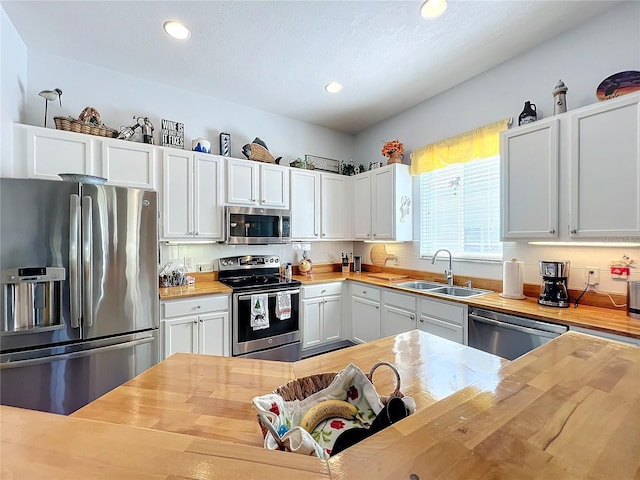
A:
279	332
260	226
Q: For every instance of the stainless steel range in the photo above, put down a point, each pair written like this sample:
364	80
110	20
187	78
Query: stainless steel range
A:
265	319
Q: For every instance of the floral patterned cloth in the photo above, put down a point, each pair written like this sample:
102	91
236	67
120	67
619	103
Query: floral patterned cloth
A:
350	385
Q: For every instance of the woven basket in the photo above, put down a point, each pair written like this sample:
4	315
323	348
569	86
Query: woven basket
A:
301	388
70	124
261	154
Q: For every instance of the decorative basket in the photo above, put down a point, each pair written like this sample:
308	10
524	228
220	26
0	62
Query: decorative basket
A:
70	124
300	389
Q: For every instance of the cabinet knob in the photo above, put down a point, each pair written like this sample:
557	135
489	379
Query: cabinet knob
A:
324	234
195	321
412	317
198	307
374	234
422	320
197	233
377	307
552	231
201	320
323	291
190	233
574	231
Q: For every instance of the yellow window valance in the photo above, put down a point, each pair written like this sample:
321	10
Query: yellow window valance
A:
483	142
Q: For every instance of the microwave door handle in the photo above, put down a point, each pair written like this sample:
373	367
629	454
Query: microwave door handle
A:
74	283
87	261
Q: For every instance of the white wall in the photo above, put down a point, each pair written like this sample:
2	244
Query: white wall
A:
582	58
13	86
118	97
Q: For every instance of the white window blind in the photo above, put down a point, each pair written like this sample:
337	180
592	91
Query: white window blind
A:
460	210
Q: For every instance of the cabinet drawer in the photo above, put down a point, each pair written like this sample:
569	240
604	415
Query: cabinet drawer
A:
197	305
450	312
365	291
322	290
447	330
408	302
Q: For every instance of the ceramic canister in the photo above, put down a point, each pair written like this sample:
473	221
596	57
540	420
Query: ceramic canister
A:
201	145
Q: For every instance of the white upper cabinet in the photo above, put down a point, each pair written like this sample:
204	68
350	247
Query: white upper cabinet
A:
605	170
319	205
305	204
529	180
44	153
251	183
129	164
191	196
382	204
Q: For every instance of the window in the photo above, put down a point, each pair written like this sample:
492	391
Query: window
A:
460	210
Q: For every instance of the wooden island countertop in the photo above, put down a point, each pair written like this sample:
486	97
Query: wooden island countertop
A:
567	410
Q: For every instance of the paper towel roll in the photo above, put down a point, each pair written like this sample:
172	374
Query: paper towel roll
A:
512	279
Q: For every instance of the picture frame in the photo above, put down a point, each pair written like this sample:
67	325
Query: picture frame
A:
323	164
225	144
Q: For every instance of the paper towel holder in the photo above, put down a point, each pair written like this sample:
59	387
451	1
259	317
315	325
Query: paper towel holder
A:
512	296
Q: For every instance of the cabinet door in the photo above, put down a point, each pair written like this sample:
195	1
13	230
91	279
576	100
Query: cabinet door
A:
129	164
332	319
605	170
311	322
305	205
362	206
274	186
383	203
365	315
529	161
180	335
441	328
333	207
213	333
207	201
177	194
50	152
242	182
396	320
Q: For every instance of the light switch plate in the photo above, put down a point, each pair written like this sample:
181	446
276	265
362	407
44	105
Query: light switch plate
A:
593	278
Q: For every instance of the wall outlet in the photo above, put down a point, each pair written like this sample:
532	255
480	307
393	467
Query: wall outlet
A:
188	263
204	267
591	275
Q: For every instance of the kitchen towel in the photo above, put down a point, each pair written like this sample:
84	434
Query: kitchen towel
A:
283	305
259	311
512	280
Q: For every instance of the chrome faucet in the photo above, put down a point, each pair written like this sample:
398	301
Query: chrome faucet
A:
448	274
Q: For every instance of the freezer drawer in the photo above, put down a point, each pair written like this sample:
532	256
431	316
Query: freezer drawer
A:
64	382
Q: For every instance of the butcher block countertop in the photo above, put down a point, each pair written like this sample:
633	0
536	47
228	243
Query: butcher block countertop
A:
608	320
567	410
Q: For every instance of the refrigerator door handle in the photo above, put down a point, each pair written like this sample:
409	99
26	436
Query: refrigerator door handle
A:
71	356
74	259
87	264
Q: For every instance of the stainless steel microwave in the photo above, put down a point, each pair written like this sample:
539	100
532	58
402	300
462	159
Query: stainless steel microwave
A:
257	226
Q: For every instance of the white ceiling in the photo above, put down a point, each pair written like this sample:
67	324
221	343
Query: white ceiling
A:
278	55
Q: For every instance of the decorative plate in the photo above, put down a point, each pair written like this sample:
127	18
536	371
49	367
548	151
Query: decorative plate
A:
80	178
618	84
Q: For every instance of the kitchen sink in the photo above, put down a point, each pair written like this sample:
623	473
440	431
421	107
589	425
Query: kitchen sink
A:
459	291
440	289
420	285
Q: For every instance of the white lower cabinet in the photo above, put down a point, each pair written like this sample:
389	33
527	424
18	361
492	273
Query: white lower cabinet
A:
398	313
321	314
196	325
444	319
365	312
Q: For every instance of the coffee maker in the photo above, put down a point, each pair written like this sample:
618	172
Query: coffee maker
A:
553	292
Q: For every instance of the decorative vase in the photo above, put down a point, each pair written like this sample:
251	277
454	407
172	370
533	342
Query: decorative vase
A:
395	158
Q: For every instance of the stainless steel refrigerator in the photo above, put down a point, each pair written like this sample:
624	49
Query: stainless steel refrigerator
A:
70	337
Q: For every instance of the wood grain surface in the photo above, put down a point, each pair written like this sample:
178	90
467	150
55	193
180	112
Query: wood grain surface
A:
567	410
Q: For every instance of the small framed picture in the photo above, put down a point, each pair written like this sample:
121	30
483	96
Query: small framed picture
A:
225	144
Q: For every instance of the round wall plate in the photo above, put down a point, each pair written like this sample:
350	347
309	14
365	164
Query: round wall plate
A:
618	84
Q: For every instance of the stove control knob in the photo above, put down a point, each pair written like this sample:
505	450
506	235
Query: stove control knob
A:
223	263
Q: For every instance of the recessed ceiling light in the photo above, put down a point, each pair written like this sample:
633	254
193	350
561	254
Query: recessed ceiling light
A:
433	8
176	30
333	87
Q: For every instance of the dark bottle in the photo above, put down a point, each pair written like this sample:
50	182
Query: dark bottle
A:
528	114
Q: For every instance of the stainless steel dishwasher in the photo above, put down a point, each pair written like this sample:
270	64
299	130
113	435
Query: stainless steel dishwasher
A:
508	336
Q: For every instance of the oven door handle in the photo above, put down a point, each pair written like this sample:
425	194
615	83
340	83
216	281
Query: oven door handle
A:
269	294
511	326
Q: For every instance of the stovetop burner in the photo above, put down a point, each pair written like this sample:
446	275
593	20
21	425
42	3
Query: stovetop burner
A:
253	272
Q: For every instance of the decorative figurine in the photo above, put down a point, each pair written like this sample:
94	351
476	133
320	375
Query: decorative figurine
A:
560	97
529	113
50	95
